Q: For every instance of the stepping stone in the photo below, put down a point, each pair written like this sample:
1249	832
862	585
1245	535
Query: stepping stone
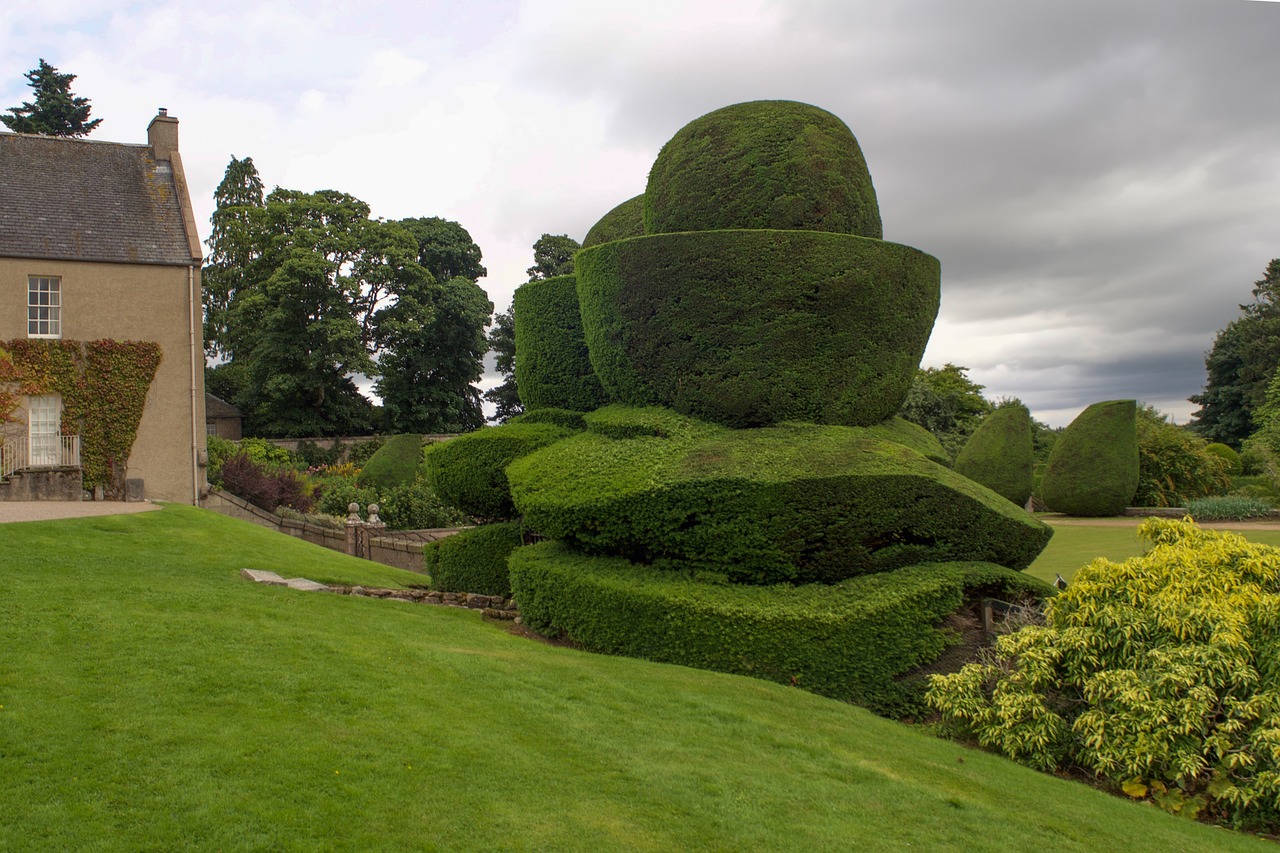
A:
304	584
259	576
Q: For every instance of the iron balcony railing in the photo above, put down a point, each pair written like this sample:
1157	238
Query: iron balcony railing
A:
55	451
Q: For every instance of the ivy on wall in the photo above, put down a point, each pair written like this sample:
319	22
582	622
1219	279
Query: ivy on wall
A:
103	385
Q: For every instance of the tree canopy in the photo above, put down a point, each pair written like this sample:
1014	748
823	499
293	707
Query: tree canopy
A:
1242	361
553	256
55	111
502	342
445	248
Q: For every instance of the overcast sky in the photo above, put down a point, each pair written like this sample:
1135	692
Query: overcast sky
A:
1099	178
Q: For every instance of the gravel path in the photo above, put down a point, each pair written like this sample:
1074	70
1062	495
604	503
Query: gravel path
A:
50	510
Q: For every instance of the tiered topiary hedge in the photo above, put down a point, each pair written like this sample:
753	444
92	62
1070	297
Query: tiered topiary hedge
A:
552	368
1093	469
762	164
1000	454
469	472
750	328
851	641
474	560
566	418
396	463
625	220
795	503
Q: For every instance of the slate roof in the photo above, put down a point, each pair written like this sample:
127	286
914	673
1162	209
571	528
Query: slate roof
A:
216	407
73	199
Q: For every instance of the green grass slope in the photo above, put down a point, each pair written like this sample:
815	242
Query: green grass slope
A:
152	700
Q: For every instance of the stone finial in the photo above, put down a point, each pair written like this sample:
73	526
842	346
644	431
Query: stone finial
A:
373	514
353	513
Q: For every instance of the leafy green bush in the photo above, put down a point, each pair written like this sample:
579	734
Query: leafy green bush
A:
1228	508
795	503
414	506
1234	466
394	464
361	452
750	328
1174	465
219	450
337	493
560	417
552	369
625	220
1093	470
762	164
1160	674
316	456
999	454
850	641
474	560
264	452
469	471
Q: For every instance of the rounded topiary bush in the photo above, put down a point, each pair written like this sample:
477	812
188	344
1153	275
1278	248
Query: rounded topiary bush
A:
469	471
474	560
625	220
1000	454
395	464
749	328
1234	466
1093	469
552	368
762	164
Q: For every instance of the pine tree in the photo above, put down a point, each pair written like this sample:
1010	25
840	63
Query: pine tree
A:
56	111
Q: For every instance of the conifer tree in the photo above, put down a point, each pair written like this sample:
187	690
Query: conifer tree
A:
55	111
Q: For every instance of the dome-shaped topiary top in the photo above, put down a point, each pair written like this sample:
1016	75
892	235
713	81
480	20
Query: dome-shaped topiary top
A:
1093	469
1000	454
625	220
762	164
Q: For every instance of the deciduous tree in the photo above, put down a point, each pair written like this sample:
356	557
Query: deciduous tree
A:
553	256
502	342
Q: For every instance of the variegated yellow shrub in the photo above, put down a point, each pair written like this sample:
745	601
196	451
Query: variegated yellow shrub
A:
1160	674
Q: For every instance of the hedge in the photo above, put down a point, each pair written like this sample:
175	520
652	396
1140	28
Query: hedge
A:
750	328
474	560
762	164
919	439
560	417
552	369
1000	454
1093	469
795	503
625	220
852	641
469	471
395	464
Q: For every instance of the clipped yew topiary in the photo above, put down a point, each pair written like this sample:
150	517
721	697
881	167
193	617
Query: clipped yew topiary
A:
750	328
395	464
474	560
795	503
1000	454
469	471
625	220
851	641
762	164
1093	469
552	368
566	418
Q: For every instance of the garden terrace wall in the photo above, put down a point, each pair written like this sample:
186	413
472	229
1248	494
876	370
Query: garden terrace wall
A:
292	444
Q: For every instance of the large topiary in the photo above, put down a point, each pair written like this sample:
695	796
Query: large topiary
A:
750	328
763	164
552	368
1000	454
796	503
1093	469
625	220
469	471
395	464
474	560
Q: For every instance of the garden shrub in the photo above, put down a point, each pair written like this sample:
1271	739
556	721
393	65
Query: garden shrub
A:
552	369
851	641
414	506
999	454
469	471
625	220
1160	674
269	454
1228	508
336	494
762	164
751	328
219	451
264	486
394	464
474	560
794	503
1256	486
560	417
1174	466
1234	466
361	452
902	431
1093	470
316	456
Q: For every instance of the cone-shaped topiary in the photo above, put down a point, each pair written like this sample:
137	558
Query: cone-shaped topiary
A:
395	463
1000	454
762	164
1093	469
625	220
552	368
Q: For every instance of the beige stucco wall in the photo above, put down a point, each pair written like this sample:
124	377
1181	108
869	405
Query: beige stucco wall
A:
133	302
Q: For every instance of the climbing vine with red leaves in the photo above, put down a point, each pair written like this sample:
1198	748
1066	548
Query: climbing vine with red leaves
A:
103	385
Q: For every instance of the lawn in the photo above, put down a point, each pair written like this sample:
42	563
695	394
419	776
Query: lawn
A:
150	699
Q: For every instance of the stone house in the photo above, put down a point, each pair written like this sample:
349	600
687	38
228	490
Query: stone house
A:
100	274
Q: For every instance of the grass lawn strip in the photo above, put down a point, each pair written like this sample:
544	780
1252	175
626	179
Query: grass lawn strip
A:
151	699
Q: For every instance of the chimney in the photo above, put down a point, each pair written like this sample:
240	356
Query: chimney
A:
162	135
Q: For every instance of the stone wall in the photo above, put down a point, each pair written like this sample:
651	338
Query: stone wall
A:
292	444
40	484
